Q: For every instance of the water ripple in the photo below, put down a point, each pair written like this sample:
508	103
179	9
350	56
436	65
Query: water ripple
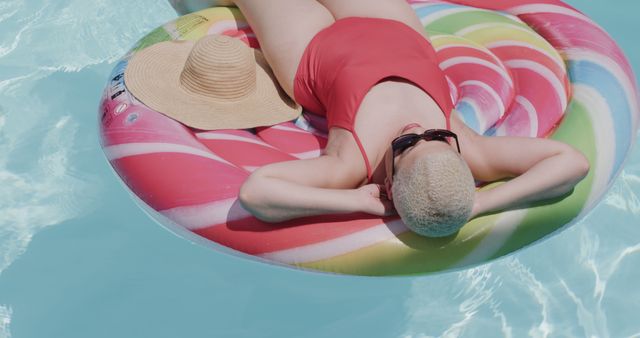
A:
5	321
41	145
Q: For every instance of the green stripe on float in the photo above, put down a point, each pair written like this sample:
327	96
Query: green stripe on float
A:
488	35
544	218
440	40
457	21
157	35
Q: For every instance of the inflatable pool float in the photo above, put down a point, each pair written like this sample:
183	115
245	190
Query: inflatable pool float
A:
516	67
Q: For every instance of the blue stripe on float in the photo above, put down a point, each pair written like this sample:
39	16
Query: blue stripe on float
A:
468	115
424	11
598	77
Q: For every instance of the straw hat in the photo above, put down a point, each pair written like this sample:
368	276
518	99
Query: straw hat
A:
217	82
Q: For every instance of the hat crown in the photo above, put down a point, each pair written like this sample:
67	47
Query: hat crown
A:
220	67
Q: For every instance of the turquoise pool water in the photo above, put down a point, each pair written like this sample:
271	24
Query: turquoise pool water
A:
79	259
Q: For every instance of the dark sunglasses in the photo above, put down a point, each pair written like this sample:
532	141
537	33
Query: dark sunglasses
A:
402	142
406	141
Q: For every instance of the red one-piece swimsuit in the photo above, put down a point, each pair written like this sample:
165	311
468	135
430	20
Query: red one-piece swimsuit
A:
344	60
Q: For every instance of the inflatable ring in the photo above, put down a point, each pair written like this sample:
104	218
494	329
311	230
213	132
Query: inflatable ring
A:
517	67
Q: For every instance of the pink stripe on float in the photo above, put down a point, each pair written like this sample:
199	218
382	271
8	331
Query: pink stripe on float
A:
463	60
511	49
255	237
291	139
552	68
169	180
538	8
522	101
523	120
133	123
245	154
552	79
231	137
563	32
288	128
505	5
546	101
118	151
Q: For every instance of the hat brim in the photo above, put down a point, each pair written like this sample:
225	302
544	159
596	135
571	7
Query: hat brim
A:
153	77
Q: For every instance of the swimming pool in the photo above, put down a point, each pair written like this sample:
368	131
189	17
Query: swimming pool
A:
79	259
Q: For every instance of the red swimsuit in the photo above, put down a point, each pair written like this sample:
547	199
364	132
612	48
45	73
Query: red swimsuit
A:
343	61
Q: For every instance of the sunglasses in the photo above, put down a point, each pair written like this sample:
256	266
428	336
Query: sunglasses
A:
406	141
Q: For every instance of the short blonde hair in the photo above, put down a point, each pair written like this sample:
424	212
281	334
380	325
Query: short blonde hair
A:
434	195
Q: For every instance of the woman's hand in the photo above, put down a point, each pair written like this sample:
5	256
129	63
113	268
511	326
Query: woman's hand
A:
373	202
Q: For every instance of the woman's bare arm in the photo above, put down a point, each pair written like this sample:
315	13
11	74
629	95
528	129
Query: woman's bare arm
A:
286	190
542	169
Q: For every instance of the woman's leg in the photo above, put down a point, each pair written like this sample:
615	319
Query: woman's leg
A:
398	10
284	29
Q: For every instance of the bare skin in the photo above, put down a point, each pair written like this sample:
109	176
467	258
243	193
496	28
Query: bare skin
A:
335	182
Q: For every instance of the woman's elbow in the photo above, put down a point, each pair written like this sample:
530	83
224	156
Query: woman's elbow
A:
245	195
252	198
249	196
580	163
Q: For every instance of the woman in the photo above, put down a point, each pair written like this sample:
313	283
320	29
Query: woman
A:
369	67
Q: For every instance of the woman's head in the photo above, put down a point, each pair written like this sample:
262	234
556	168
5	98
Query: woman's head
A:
433	189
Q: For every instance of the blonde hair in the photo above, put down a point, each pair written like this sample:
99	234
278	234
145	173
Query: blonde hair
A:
434	195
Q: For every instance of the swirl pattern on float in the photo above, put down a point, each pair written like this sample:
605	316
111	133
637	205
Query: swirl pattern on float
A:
515	67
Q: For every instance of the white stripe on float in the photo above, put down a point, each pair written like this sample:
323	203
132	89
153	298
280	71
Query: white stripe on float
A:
250	168
461	60
305	125
488	89
502	130
441	35
531	112
600	115
557	59
480	49
338	246
546	73
453	89
614	68
482	26
118	151
223	25
172	30
308	154
548	8
195	217
499	233
231	137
